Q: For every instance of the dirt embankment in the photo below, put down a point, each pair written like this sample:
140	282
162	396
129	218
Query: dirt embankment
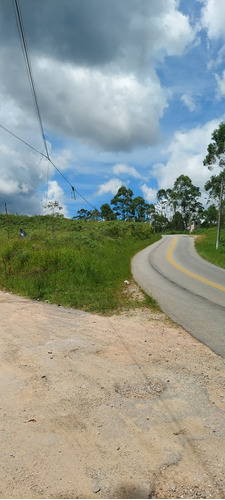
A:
128	406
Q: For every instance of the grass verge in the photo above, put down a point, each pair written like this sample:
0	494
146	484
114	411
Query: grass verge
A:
205	244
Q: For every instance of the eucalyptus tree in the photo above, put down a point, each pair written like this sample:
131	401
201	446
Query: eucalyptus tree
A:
139	209
186	196
181	199
122	202
83	214
213	186
216	149
210	216
168	202
107	212
216	158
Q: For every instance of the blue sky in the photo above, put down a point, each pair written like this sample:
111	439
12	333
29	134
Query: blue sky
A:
129	93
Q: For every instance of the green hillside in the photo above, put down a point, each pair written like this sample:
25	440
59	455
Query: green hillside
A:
79	264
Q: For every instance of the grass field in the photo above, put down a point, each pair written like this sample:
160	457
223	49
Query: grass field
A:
73	263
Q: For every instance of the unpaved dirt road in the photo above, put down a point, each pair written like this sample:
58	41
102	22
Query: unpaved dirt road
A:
127	406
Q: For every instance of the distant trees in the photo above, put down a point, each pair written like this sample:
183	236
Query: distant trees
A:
176	207
123	207
180	204
83	214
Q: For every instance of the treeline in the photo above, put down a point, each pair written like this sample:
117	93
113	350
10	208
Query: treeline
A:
178	206
122	207
175	208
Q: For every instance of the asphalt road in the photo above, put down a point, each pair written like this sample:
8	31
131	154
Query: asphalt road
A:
189	290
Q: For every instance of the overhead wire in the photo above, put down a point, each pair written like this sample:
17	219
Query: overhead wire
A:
21	31
73	190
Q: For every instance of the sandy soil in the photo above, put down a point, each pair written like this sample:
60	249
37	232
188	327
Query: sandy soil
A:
127	406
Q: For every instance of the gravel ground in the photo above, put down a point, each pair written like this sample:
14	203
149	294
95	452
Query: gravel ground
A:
127	406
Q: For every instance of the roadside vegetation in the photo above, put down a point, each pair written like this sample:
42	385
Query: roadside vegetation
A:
74	263
205	246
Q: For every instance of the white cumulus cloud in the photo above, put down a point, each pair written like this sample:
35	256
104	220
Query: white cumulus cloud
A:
186	154
122	169
110	186
213	18
188	101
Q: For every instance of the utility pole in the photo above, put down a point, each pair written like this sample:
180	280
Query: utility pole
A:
220	214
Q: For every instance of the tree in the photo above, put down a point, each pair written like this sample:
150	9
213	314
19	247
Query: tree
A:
54	208
213	186
167	199
216	158
210	216
186	195
82	214
107	212
177	222
122	203
216	149
95	214
138	209
158	221
150	213
182	199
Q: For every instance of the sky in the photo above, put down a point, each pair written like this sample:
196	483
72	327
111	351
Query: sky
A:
129	93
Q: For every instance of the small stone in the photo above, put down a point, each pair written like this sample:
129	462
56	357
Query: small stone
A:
96	489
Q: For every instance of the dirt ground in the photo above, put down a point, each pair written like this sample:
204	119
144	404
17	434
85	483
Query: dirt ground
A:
127	406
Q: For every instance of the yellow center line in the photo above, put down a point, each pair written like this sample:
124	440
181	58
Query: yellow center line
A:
199	278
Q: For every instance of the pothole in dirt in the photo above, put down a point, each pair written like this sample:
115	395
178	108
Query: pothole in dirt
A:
151	388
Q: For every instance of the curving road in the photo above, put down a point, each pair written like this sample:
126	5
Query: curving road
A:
190	290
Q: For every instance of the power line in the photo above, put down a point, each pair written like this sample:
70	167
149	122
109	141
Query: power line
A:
20	27
21	31
24	142
47	158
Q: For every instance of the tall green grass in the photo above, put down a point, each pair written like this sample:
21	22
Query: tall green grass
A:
205	245
81	264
